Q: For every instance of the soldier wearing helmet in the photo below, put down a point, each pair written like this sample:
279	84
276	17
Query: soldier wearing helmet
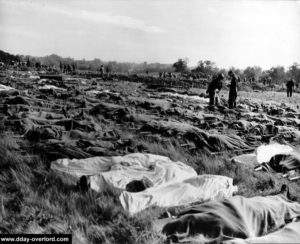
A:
289	87
213	88
232	89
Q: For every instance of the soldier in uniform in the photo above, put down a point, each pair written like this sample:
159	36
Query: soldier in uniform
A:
213	88
289	87
232	89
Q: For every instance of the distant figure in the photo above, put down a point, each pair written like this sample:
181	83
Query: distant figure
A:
28	64
61	67
102	70
232	90
264	81
213	88
73	67
269	80
289	87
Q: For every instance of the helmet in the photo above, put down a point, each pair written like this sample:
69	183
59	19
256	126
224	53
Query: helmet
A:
221	76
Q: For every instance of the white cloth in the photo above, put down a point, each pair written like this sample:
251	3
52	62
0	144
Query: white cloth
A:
187	97
265	152
114	173
4	88
51	87
200	188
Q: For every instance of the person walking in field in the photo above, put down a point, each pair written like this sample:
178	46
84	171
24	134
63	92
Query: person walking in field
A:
213	89
289	87
232	90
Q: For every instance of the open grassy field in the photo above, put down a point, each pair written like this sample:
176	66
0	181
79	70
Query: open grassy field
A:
35	199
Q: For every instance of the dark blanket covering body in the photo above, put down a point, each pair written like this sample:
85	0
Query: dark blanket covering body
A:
288	234
238	217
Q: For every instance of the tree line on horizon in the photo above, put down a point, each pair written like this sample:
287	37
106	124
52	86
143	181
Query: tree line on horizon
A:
255	73
203	69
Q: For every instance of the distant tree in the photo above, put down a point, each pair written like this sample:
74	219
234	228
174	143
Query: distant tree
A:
278	74
206	68
7	57
112	66
294	72
181	65
252	72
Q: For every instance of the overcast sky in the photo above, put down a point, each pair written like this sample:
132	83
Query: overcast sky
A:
230	33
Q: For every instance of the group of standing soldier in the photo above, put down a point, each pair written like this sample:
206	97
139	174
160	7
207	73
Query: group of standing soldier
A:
216	85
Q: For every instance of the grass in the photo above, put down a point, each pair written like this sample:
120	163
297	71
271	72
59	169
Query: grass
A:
34	199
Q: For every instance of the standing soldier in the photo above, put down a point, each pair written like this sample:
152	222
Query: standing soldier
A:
264	81
102	70
232	89
73	67
61	67
269	80
289	87
213	88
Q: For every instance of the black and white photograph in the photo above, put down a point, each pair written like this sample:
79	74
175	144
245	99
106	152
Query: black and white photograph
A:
149	122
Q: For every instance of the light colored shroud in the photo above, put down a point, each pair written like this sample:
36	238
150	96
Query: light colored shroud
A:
200	188
279	157
172	183
114	173
5	89
264	153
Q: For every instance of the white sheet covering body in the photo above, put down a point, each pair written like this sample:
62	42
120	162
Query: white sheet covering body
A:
51	87
265	152
114	173
4	88
290	233
187	97
200	188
